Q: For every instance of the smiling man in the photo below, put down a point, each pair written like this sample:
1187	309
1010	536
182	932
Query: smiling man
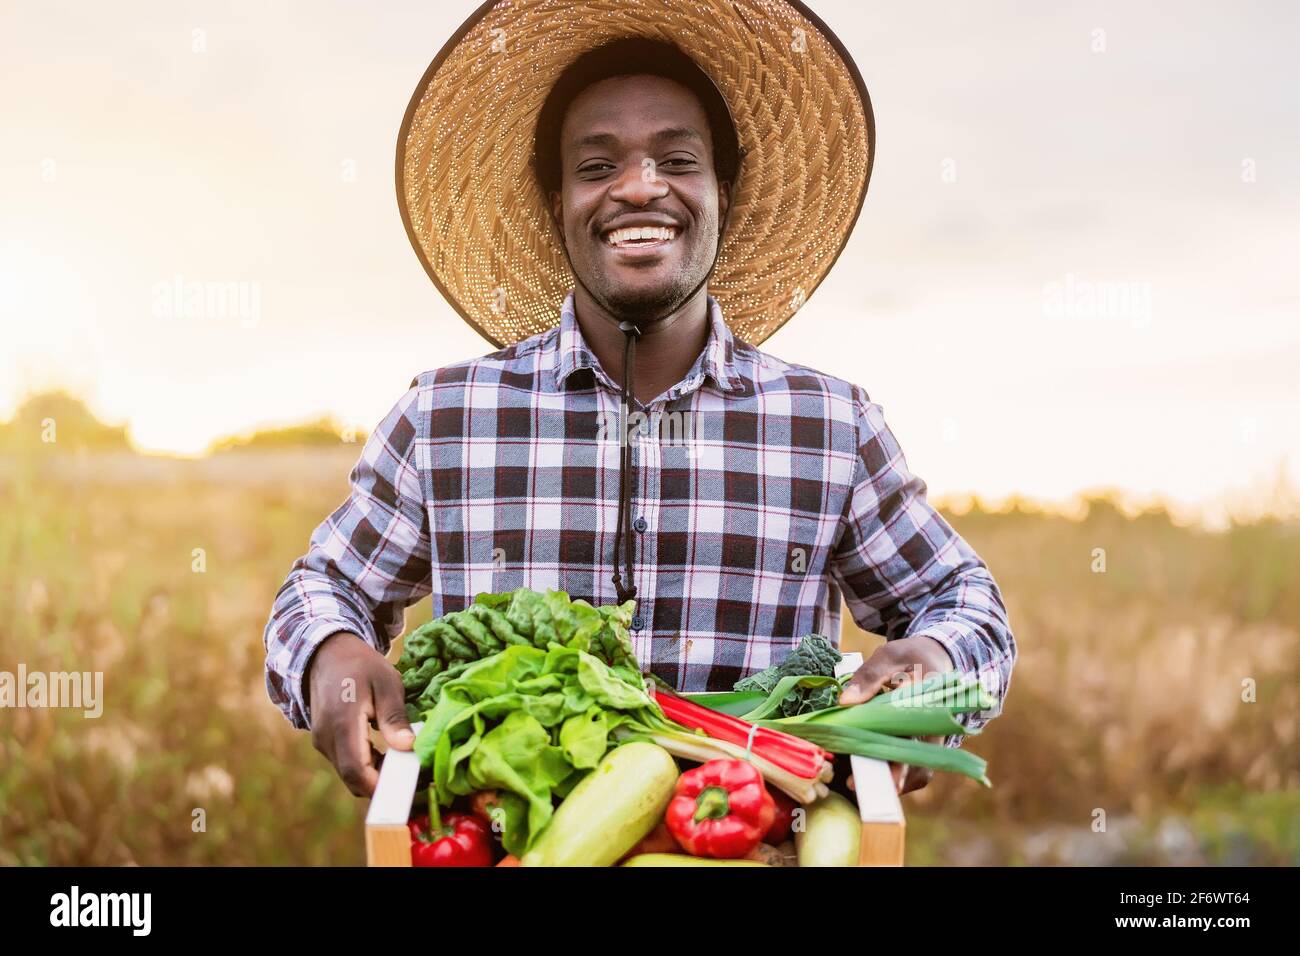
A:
788	492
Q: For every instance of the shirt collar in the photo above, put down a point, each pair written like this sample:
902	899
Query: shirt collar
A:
717	362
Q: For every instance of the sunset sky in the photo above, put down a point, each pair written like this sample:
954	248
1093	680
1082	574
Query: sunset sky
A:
1027	158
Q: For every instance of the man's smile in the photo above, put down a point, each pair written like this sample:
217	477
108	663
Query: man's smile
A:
638	238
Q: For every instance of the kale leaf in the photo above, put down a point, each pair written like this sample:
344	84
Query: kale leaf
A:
815	656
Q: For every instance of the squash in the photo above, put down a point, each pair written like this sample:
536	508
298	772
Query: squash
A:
684	859
610	810
832	833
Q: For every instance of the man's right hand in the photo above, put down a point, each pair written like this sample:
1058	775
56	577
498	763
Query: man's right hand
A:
353	687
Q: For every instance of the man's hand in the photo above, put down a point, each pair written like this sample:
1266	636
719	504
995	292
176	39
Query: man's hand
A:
351	687
892	665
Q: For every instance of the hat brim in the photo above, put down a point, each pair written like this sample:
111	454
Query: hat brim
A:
477	218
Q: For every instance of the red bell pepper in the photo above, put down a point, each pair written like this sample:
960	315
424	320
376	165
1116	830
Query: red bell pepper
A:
484	804
784	820
720	809
461	840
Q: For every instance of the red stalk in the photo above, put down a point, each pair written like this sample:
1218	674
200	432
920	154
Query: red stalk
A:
788	752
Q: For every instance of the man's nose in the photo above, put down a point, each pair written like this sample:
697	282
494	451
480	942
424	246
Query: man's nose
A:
640	184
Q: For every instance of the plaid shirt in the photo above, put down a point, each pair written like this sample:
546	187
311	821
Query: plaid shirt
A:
763	492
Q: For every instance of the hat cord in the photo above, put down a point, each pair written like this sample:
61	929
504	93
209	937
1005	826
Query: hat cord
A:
631	333
625	592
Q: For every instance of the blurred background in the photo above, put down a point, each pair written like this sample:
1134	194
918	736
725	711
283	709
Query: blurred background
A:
1071	288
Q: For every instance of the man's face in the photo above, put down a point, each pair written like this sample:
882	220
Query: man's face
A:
636	153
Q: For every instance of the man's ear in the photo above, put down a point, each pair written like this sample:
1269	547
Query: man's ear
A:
557	210
724	206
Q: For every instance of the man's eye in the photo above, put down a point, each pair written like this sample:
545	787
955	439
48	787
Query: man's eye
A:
596	168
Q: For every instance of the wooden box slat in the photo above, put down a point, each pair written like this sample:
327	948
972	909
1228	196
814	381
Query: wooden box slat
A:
388	840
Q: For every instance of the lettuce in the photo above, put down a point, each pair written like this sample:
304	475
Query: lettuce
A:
531	722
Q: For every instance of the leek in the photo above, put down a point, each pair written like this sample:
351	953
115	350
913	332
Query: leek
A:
866	743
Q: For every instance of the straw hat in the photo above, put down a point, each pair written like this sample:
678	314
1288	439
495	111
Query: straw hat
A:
478	220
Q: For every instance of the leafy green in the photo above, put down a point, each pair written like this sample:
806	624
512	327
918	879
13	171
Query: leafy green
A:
583	738
531	722
735	703
517	755
788	688
440	651
814	657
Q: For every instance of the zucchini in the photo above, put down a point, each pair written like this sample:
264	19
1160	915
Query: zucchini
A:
832	833
610	810
683	859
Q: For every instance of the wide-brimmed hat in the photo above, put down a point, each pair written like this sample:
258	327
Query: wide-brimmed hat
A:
478	219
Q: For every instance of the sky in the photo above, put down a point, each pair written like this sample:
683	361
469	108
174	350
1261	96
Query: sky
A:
1075	267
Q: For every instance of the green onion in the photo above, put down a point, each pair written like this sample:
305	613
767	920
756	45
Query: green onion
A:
889	719
881	727
732	702
949	689
866	743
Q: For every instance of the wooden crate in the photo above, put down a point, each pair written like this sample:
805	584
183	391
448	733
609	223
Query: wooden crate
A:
388	841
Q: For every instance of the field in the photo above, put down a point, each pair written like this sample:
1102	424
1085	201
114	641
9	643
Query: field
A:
1152	717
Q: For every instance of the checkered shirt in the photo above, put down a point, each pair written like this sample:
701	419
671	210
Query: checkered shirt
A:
763	492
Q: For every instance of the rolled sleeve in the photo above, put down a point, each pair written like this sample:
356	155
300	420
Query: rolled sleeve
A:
905	572
367	562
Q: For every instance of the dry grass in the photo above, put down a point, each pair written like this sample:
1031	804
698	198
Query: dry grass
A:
1127	697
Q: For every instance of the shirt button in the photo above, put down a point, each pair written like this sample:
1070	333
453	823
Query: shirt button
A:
640	524
638	622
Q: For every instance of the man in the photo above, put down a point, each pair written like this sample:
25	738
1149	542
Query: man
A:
736	534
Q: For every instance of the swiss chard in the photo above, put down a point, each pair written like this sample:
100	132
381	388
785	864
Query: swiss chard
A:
440	651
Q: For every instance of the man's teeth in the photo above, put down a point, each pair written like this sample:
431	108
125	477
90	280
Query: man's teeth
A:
640	234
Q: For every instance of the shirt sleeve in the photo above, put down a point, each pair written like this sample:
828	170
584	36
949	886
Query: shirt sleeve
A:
905	572
366	563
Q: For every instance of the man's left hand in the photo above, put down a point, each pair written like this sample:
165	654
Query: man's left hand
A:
892	665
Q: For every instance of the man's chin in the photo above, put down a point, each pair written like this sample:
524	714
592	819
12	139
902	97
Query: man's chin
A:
648	302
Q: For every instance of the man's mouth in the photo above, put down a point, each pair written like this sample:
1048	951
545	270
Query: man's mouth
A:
636	238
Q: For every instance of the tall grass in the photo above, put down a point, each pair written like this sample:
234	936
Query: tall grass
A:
97	576
1132	695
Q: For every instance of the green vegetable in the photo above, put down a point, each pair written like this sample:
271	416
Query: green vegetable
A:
610	811
683	859
832	833
438	652
814	657
531	723
735	703
787	690
949	691
583	737
881	727
867	743
897	721
912	710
